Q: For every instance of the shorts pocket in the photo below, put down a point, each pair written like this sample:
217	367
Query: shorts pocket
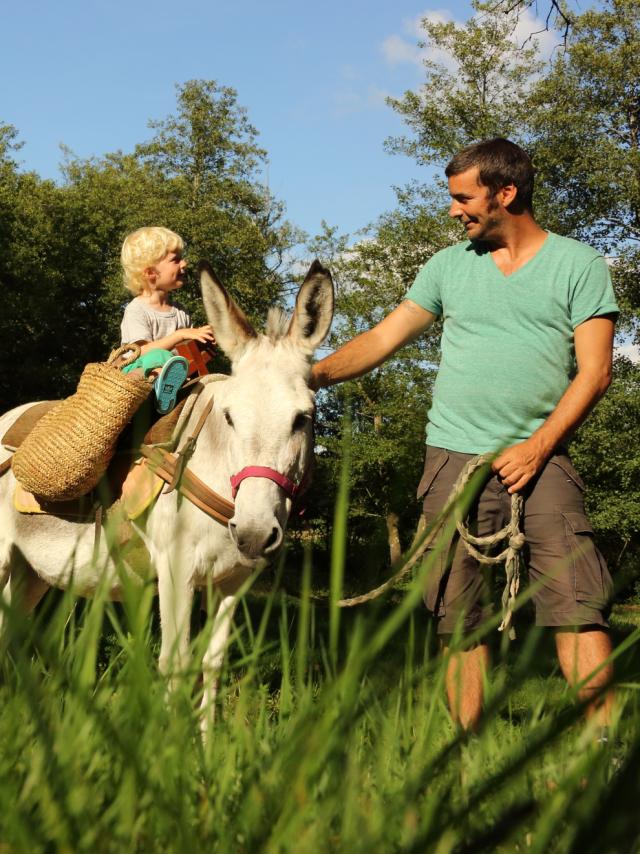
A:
591	579
434	461
563	462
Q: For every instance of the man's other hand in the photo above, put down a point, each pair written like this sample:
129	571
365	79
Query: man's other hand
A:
519	464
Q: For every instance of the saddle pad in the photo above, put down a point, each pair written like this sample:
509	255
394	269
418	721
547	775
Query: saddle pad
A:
162	430
80	508
24	424
139	491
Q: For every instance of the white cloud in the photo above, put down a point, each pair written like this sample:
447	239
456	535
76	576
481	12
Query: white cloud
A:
398	49
530	29
403	49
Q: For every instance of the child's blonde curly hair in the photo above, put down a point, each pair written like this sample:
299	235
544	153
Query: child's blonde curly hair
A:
143	248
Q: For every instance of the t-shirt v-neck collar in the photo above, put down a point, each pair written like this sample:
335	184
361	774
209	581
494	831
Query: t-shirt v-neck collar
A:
525	266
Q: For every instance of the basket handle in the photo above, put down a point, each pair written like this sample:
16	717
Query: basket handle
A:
134	349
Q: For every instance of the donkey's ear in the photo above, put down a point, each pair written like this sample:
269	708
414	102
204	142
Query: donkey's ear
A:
314	309
230	327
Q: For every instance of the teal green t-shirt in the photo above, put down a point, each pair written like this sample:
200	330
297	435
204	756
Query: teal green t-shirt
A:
507	341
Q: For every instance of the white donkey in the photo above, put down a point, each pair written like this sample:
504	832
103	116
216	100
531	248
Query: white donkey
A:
259	426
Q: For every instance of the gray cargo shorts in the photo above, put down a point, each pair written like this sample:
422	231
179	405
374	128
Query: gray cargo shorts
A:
573	586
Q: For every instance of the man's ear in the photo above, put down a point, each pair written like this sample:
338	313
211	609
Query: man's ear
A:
507	195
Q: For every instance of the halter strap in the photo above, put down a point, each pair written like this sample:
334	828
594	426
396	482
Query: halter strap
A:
287	485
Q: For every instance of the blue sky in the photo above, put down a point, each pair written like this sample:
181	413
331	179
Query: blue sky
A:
313	77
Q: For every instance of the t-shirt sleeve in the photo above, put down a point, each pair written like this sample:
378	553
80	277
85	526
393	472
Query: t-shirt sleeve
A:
183	319
426	288
592	295
135	325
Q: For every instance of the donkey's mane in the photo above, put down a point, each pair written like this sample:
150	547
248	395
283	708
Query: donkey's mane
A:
277	324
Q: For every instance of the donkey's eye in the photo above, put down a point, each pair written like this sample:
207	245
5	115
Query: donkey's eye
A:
227	417
300	422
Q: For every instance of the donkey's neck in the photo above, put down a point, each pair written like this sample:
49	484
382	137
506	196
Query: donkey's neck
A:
209	460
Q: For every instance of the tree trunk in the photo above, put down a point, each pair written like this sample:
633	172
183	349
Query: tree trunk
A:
393	537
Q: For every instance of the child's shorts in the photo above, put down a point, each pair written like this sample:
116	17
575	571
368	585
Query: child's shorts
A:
149	361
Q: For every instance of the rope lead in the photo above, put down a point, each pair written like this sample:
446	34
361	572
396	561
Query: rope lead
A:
511	555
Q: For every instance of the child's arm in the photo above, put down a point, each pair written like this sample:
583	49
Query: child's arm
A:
136	327
204	334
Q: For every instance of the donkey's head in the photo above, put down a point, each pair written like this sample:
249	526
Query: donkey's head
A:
265	409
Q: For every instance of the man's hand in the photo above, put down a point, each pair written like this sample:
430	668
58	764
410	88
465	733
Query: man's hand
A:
519	464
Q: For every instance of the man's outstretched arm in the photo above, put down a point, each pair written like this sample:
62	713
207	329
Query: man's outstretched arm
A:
593	340
372	348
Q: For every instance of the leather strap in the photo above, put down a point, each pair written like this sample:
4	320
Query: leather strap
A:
195	490
183	455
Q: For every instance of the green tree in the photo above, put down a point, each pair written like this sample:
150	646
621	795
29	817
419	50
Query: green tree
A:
585	126
200	175
46	325
606	451
208	161
387	407
482	92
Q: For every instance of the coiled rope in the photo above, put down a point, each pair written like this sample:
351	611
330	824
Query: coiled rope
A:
510	555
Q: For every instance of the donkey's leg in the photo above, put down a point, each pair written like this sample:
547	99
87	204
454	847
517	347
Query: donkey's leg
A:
27	588
6	554
21	587
175	589
213	658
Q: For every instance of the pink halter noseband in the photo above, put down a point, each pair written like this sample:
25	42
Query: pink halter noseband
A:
287	485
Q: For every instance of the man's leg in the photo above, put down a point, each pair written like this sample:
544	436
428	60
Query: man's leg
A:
456	591
466	672
580	653
573	584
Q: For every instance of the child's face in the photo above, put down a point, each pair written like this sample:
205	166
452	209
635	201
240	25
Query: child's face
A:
168	274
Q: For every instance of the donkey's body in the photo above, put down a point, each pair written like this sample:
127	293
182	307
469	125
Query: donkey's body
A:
261	416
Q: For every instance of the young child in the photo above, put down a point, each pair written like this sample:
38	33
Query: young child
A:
153	268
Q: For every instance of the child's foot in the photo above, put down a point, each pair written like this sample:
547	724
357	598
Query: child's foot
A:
170	379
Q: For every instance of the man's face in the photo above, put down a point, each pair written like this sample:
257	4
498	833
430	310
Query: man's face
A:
472	205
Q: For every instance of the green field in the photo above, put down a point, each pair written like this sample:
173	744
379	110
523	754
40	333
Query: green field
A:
331	734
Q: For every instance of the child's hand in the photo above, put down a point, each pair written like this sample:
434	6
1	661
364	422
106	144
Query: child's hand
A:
203	334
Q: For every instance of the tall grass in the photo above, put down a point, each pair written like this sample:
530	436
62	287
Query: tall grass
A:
331	734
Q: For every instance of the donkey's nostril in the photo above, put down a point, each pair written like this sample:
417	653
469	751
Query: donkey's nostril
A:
274	540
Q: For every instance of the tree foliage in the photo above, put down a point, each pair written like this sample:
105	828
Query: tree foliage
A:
387	408
481	92
200	174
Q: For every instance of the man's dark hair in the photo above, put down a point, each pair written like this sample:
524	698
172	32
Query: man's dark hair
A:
500	163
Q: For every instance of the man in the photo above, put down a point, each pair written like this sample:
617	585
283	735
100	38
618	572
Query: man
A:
526	353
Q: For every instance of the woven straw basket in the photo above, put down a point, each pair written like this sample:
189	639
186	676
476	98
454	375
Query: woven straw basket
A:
69	449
